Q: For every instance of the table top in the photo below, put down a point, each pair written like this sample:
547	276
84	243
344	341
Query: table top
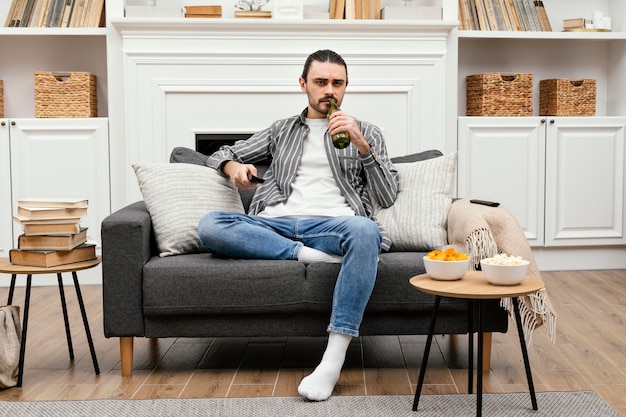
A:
7	267
474	286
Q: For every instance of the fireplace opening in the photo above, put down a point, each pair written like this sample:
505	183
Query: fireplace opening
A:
207	143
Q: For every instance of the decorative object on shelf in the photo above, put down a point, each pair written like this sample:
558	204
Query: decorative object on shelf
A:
1	99
252	9
288	9
315	11
411	13
65	94
153	11
567	97
203	11
250	5
499	94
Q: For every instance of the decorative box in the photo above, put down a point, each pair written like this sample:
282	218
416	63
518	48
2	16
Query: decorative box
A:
567	97
499	94
65	94
153	11
411	13
203	11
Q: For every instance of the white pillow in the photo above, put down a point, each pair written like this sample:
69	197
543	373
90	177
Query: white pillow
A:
418	219
177	196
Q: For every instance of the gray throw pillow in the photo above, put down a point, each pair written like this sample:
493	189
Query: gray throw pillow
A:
418	219
177	196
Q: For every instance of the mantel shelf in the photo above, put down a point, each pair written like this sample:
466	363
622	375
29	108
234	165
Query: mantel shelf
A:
271	26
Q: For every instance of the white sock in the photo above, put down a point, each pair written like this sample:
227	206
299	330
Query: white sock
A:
309	255
320	384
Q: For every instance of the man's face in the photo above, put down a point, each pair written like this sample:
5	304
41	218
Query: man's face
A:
324	81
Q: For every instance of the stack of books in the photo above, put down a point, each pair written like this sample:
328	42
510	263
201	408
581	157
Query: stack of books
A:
203	11
579	23
52	234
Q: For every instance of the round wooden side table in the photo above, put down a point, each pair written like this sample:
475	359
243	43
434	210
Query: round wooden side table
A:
476	289
6	267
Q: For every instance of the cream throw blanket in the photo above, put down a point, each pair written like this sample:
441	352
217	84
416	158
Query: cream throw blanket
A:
483	231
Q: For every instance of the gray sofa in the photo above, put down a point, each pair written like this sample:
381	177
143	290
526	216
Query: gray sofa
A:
202	295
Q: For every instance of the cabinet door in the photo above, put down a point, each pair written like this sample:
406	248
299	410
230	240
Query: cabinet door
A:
585	181
63	158
502	159
6	230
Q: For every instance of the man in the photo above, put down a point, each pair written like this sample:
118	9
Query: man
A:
313	205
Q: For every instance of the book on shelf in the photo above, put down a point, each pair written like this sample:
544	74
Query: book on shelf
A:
52	242
53	202
49	258
51	212
544	22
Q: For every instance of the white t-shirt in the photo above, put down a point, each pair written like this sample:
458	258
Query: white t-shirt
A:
314	191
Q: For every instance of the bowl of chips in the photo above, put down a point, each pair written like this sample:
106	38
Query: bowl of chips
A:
446	265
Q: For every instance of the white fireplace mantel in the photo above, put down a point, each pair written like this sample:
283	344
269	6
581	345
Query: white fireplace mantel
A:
170	79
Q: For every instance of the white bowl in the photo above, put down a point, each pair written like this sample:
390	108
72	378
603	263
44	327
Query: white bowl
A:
504	274
445	270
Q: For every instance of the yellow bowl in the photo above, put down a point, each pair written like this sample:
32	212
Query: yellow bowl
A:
445	270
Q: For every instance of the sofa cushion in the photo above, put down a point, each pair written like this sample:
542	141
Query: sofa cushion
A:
418	219
177	196
195	284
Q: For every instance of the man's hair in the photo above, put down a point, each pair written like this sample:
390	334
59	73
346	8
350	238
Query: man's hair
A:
323	55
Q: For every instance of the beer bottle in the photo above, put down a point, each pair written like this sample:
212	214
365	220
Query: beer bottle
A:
341	139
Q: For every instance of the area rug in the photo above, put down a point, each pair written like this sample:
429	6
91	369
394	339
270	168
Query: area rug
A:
570	404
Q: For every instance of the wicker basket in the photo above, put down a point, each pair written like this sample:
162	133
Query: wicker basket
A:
565	97
1	99
499	94
69	94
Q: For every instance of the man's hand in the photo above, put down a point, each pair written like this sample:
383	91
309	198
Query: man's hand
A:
342	122
240	174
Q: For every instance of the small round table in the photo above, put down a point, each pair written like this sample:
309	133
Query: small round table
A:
475	288
6	267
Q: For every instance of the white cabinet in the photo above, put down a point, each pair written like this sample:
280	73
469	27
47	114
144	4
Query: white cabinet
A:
54	158
562	178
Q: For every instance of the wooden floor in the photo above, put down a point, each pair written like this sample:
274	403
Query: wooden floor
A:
588	354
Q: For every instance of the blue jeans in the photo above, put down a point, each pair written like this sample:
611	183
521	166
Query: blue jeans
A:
356	238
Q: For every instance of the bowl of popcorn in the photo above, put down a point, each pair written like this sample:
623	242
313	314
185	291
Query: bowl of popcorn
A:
503	269
446	265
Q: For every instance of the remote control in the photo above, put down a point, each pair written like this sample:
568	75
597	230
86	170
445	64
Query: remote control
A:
256	179
485	203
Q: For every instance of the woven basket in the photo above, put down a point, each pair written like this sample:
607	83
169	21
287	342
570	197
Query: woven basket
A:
69	94
565	97
1	99
499	94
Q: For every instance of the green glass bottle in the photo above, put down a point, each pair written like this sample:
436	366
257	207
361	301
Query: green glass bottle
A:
342	139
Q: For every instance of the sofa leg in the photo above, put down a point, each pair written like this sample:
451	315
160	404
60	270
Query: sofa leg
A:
487	339
126	355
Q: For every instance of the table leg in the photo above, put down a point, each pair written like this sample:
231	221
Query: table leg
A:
24	330
65	317
470	345
86	323
11	289
479	367
429	340
520	332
